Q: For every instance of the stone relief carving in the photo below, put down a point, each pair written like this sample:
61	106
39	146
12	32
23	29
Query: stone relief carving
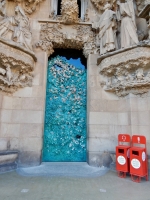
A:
141	4
127	72
2	9
16	68
99	4
69	11
55	36
128	25
17	29
30	6
107	30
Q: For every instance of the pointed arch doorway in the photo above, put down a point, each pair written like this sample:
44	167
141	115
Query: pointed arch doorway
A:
65	132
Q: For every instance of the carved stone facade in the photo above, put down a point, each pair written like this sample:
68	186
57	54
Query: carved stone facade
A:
127	72
27	28
99	4
30	6
54	36
69	11
16	67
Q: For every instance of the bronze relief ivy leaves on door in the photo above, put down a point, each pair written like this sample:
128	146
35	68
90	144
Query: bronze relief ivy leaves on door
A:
65	113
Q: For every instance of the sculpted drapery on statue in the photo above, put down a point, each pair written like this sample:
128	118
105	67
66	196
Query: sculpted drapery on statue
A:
128	25
22	34
2	9
107	30
17	28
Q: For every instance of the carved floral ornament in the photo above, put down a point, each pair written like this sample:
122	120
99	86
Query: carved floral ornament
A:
69	11
16	67
29	6
54	36
127	72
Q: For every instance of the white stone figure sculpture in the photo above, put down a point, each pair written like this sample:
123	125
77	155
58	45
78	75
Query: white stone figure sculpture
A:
107	30
128	26
109	82
2	71
128	77
22	34
5	22
8	73
2	9
139	74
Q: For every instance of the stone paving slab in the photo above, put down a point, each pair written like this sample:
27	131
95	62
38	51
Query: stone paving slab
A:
107	187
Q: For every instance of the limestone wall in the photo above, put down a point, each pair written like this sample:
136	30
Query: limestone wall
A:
22	117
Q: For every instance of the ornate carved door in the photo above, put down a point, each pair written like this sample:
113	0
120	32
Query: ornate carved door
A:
65	113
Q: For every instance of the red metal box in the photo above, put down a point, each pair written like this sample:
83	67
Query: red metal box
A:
138	158
123	155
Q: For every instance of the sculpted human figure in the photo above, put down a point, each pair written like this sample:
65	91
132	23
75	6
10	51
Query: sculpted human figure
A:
22	33
107	30
2	9
5	22
128	26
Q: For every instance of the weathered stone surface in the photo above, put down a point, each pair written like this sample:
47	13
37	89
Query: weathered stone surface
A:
29	158
10	158
3	144
101	159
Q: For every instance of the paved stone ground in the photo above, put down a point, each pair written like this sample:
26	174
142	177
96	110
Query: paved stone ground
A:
33	184
81	169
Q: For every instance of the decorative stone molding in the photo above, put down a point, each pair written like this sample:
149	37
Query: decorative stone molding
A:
55	36
16	67
69	11
127	72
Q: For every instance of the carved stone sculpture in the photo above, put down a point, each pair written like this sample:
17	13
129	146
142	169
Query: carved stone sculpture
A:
16	67
2	8
17	28
139	74
99	4
22	34
107	30
127	72
55	36
69	11
30	6
128	26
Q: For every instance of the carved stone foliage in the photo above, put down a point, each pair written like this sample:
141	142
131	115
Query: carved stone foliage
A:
127	72
55	36
16	67
99	4
30	6
69	11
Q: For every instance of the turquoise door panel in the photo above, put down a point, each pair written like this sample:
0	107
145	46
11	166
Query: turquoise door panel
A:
65	112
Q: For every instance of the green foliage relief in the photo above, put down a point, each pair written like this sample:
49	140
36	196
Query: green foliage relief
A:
65	115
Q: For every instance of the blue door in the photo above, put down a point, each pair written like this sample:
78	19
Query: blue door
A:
65	112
